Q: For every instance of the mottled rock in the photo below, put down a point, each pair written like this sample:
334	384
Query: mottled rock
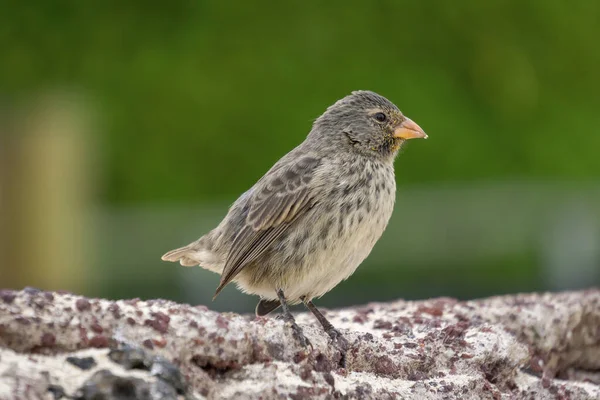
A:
512	347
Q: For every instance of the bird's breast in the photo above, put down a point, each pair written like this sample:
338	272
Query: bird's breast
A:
331	241
345	226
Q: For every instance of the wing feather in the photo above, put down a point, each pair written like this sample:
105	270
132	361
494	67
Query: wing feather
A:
279	198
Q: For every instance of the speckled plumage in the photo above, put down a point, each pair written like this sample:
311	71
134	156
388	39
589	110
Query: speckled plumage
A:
310	221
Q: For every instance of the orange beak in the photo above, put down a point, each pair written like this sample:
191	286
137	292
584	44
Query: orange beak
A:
409	130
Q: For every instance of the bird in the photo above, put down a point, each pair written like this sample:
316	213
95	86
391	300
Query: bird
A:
311	220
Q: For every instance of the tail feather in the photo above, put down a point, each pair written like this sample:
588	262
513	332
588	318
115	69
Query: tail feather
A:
266	306
188	262
191	255
180	255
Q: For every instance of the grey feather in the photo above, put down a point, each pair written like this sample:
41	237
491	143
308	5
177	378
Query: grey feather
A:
277	201
264	307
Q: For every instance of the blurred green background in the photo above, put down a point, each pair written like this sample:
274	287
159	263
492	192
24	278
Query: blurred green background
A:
128	128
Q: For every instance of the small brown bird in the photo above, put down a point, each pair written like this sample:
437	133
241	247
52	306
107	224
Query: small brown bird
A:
310	221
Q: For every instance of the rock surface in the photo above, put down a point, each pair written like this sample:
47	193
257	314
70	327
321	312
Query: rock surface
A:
527	346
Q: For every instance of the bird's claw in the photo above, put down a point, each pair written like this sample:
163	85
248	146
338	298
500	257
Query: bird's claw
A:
298	334
341	343
338	339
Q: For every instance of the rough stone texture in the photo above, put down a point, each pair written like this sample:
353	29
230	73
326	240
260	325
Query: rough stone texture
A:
529	346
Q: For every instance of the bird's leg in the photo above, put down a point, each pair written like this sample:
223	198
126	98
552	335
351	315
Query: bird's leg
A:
288	317
333	333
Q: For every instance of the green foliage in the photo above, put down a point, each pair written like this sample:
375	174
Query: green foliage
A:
200	98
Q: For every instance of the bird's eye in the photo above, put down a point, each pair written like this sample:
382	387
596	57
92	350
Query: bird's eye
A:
381	117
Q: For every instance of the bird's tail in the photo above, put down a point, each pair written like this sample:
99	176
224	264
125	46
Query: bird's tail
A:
182	255
196	254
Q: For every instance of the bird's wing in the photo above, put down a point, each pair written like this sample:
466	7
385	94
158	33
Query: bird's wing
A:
279	198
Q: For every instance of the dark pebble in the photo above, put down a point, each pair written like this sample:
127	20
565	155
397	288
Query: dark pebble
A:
83	363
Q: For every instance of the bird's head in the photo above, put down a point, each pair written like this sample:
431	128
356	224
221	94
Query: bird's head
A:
367	123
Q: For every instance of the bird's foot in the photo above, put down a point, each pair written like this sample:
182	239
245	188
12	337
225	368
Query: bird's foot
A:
340	342
297	332
338	339
299	336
